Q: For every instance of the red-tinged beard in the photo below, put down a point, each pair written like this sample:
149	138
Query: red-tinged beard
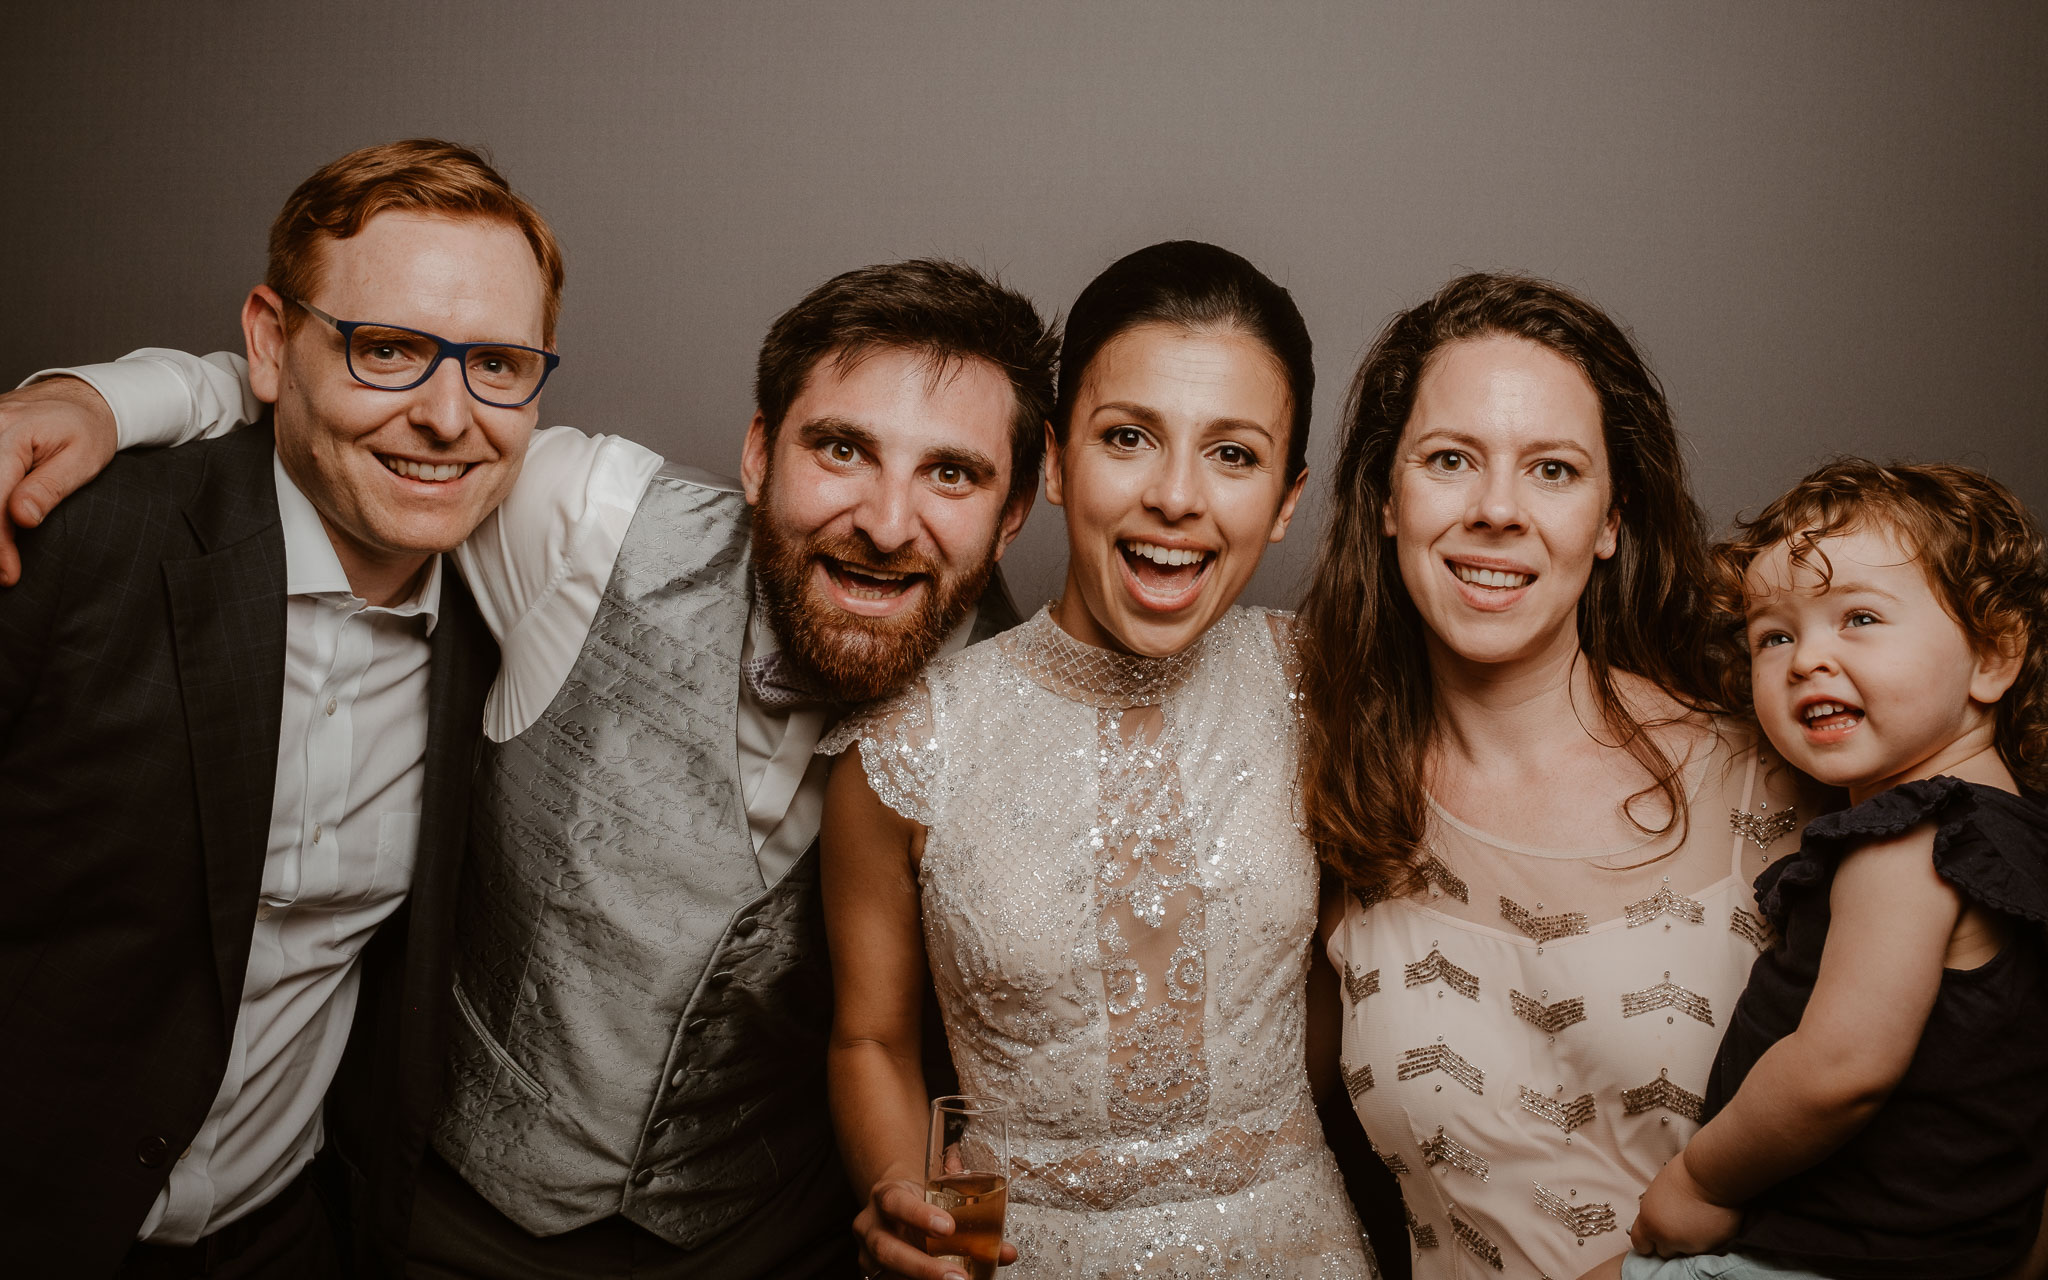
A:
852	657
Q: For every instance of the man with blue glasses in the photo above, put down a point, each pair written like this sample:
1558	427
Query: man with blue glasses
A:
239	713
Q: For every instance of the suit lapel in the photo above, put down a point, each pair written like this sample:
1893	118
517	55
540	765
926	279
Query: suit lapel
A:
227	611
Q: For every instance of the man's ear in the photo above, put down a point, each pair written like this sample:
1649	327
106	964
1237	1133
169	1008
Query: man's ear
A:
1015	510
263	335
754	459
1055	489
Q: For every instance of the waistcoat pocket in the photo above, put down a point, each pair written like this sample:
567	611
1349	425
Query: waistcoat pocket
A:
498	1052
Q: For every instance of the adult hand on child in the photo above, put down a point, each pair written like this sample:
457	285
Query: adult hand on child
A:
1676	1218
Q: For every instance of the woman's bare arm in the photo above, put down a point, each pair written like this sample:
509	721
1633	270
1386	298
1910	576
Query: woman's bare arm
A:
879	1108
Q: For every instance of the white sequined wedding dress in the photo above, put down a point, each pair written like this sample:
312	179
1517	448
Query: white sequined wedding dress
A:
1117	908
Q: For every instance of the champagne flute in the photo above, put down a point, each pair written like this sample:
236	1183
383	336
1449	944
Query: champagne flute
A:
967	1173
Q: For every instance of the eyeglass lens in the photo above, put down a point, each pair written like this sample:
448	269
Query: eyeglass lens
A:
393	359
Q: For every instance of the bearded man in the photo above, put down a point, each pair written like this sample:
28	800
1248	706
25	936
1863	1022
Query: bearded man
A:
640	970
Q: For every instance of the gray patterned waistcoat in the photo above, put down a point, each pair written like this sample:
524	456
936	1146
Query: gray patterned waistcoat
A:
642	1022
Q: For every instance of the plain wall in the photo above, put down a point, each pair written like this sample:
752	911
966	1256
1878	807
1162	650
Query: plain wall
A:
1823	222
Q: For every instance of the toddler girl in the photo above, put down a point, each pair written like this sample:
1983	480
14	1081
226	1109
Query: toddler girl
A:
1879	1106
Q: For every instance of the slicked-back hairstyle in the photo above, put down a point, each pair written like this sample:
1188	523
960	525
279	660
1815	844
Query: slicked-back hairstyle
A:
1368	699
418	175
1983	554
945	310
1198	287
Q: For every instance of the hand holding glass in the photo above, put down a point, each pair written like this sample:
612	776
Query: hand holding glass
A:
967	1174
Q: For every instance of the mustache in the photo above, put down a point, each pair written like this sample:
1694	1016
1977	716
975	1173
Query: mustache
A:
858	552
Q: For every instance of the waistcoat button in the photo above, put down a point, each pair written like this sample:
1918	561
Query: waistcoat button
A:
721	979
696	1026
746	926
676	1081
152	1151
643	1177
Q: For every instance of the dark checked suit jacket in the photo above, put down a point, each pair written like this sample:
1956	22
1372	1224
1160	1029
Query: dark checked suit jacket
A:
141	686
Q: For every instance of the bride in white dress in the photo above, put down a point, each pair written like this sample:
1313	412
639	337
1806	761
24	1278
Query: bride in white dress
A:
1085	828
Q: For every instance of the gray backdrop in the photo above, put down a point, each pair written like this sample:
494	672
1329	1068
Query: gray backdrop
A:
1822	221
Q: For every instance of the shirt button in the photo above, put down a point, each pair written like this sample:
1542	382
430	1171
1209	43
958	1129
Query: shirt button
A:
317	829
331	705
263	912
152	1151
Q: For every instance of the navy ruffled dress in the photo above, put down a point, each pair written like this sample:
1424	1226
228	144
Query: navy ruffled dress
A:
1947	1178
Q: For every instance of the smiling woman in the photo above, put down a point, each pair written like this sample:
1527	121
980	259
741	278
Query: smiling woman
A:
1512	759
1084	830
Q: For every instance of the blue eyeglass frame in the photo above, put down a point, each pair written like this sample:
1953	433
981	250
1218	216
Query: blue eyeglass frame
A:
445	350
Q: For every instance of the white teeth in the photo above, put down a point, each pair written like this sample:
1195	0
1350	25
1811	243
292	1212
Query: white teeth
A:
1491	577
886	575
424	470
1166	555
1820	710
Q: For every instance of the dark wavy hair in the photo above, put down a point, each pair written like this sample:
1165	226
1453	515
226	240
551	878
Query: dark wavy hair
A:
1194	286
1982	553
947	310
1368	700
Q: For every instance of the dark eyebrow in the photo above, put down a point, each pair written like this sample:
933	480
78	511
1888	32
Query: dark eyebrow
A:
818	431
1150	417
1534	446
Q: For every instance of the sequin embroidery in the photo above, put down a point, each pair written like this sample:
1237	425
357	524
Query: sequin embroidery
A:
1761	829
1438	1057
1447	1150
1475	1242
1565	1115
1667	995
1662	1093
1542	928
1584	1220
1433	967
1552	1018
1665	903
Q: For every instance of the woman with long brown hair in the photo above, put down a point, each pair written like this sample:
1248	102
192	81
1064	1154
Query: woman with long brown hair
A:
1514	761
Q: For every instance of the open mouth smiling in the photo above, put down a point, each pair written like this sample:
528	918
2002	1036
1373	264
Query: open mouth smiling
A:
862	582
1165	577
430	472
1489	579
1825	717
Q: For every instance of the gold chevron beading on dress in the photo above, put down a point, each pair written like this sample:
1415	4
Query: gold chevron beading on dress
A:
1439	1057
1433	966
1542	928
1763	827
1662	1093
1391	1159
1425	1235
1584	1220
1357	1082
1752	929
1665	903
1357	986
1565	1115
1667	995
1435	872
1475	1242
1450	1151
1547	1017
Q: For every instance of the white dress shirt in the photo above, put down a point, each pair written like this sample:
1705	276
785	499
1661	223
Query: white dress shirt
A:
344	824
538	566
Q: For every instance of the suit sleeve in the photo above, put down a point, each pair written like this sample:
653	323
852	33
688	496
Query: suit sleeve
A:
165	397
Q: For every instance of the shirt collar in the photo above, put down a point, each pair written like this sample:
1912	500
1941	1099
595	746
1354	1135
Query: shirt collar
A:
312	569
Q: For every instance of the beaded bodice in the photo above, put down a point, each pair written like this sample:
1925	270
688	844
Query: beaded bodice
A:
1527	1040
1117	905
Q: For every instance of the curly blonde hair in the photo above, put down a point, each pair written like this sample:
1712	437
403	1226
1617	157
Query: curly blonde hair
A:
1982	552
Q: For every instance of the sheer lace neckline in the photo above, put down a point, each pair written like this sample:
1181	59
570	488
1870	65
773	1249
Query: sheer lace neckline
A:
1082	673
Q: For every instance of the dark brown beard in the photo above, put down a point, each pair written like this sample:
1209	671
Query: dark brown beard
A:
847	657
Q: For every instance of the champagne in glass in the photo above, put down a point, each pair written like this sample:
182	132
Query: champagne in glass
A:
967	1173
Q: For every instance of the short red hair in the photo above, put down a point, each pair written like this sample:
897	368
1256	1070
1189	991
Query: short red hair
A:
418	175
